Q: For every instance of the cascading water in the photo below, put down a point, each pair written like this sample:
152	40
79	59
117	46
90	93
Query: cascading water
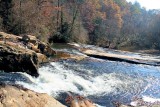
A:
112	81
102	81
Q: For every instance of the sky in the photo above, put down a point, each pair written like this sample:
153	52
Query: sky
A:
148	4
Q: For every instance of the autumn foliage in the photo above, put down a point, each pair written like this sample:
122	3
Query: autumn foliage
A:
107	23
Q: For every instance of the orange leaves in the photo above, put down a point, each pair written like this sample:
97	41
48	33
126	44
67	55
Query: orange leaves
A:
113	12
48	8
91	11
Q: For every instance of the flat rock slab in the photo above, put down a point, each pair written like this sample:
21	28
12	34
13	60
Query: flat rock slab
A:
119	57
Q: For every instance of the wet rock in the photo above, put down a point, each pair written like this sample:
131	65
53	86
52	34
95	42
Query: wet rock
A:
37	45
25	39
13	59
65	55
46	49
42	58
33	39
139	102
14	96
22	53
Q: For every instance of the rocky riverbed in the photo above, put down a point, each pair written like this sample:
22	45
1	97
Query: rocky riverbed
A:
23	54
103	75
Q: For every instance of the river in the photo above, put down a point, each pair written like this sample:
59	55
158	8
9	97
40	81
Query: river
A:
102	81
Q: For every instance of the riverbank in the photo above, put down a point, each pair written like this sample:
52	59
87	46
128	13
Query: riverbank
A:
143	51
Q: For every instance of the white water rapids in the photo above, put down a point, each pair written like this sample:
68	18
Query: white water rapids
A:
101	80
58	77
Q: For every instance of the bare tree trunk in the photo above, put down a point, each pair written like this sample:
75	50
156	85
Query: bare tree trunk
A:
20	11
74	18
58	5
61	15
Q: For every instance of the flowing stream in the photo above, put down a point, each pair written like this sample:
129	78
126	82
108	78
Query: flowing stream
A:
102	81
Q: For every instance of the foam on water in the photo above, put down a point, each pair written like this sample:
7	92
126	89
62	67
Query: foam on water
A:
150	99
58	79
96	77
61	77
145	99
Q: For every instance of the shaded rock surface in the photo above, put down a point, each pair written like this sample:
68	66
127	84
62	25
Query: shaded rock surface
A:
13	96
14	60
22	53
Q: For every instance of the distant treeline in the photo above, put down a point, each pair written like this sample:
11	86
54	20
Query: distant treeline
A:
108	23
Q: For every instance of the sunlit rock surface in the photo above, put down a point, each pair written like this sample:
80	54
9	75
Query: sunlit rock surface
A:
13	96
117	55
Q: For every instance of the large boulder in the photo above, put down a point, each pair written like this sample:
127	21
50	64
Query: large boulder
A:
15	58
23	53
14	96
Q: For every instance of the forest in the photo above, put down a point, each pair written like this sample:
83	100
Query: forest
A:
108	23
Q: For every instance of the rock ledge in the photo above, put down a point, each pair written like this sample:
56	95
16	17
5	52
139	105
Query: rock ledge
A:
22	53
